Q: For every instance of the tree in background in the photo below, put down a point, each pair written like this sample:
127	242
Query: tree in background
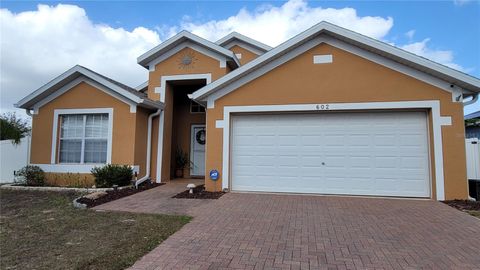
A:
13	127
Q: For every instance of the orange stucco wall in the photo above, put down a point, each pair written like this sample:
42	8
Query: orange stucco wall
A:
129	129
348	79
247	55
172	66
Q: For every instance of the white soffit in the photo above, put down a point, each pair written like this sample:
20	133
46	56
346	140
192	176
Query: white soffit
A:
231	38
73	73
444	73
184	36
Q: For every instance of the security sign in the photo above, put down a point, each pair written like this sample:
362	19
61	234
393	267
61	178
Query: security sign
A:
214	175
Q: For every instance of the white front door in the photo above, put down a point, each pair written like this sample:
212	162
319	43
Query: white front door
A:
371	153
197	150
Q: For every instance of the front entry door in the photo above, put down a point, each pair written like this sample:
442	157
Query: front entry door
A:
197	150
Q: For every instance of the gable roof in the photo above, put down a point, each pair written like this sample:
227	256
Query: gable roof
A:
442	72
79	71
234	36
185	36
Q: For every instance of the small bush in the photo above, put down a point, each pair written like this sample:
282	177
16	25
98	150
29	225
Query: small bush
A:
33	175
112	174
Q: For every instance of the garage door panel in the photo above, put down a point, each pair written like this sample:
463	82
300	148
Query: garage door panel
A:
377	153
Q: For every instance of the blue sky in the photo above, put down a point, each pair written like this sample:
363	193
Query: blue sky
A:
444	31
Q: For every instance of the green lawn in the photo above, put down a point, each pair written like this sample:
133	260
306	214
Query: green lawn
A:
41	230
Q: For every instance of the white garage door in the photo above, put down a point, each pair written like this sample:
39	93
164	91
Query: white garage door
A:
371	153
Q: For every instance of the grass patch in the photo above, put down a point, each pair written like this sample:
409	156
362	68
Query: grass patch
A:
42	230
474	213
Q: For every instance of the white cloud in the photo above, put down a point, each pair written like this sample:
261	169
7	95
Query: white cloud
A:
410	34
273	25
444	57
461	2
38	45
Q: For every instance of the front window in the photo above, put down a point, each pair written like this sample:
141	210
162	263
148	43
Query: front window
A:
196	108
83	138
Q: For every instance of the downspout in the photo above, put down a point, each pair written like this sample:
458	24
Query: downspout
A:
473	100
149	149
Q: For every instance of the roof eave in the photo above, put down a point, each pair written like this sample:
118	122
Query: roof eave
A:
146	58
237	36
469	83
60	81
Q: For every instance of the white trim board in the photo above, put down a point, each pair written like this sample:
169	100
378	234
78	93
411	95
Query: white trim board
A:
232	85
68	79
72	84
237	37
183	77
327	30
58	112
245	46
186	44
75	168
433	105
173	42
161	119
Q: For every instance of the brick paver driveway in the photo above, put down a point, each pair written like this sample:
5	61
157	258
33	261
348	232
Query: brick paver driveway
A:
258	231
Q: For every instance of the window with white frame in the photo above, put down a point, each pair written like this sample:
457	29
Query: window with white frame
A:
83	138
196	108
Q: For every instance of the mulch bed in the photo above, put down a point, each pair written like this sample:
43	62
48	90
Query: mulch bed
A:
117	194
199	193
464	205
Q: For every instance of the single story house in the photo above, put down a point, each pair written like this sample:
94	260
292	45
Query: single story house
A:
329	111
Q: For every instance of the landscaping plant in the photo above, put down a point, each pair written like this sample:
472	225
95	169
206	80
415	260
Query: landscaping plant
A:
112	174
181	162
33	175
13	127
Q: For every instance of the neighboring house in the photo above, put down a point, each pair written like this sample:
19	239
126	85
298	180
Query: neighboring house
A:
329	111
472	125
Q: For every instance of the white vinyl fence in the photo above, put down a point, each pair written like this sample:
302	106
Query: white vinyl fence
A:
472	147
12	158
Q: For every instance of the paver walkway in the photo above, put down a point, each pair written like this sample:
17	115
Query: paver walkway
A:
259	231
159	200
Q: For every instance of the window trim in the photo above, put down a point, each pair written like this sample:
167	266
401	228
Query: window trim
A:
55	131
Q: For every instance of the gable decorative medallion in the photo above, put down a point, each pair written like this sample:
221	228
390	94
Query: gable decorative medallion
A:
187	60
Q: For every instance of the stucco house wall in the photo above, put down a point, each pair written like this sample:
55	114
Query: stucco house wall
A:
348	79
202	64
129	129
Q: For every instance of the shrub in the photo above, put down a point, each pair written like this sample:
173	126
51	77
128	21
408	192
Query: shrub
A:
13	127
112	174
33	175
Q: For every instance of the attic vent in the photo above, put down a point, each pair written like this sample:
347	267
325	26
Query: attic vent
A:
238	55
323	59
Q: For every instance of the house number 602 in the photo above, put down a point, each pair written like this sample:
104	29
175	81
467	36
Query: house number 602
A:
323	107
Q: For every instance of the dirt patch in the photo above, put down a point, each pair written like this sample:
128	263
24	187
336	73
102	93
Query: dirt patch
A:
469	207
42	230
111	195
199	192
464	205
